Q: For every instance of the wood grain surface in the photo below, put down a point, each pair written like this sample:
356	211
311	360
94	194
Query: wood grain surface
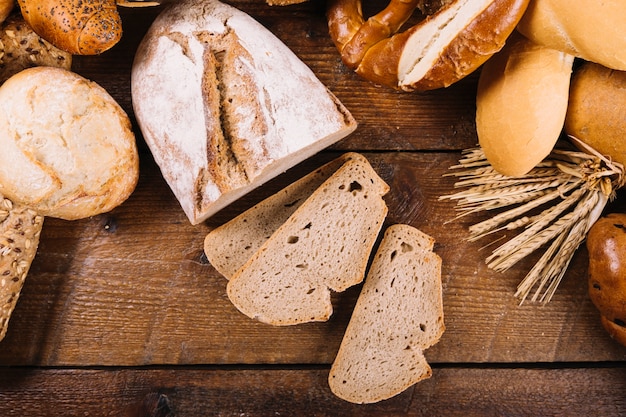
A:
121	313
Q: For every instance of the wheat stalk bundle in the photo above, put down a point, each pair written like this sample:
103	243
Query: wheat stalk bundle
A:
552	207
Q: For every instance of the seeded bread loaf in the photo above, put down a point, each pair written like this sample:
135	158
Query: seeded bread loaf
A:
324	245
21	48
398	314
229	246
20	228
225	106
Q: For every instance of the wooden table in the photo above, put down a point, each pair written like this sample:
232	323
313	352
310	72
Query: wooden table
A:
121	314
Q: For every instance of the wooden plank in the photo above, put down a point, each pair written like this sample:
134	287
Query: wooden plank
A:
451	391
132	288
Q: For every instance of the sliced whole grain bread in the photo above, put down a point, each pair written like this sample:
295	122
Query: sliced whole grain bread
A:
230	245
324	245
398	314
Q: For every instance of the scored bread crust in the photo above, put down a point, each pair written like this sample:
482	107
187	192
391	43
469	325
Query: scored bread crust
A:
230	245
324	245
398	314
68	150
20	229
438	51
225	106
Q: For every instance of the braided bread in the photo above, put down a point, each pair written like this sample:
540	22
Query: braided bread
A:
436	52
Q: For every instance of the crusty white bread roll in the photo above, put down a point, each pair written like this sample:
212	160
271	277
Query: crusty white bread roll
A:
68	150
225	106
596	112
521	104
323	246
437	52
588	29
398	315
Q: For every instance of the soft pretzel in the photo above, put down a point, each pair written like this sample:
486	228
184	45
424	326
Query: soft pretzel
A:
436	52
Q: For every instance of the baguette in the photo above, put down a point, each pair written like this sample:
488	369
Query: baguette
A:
398	315
229	246
324	245
521	102
225	106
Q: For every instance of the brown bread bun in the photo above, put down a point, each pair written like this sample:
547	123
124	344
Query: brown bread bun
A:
75	26
596	112
521	104
67	147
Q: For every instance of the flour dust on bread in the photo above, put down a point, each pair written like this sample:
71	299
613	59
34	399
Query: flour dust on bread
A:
230	245
225	106
399	314
324	245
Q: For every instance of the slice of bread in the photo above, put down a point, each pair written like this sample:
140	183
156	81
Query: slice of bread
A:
324	245
229	246
398	314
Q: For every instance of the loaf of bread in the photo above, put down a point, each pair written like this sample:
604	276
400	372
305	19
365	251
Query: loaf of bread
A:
229	246
521	104
596	111
75	26
6	7
225	106
399	314
20	229
68	150
324	245
21	48
437	52
588	29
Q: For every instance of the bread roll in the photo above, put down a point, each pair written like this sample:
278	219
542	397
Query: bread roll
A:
588	29
67	147
225	106
521	103
596	112
76	26
21	48
6	7
437	52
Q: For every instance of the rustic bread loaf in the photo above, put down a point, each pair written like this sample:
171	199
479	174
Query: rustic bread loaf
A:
21	48
20	228
68	150
588	29
324	245
225	106
521	102
398	314
229	246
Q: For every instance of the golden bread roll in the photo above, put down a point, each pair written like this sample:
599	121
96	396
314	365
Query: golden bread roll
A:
76	26
521	104
6	7
588	29
596	112
436	52
67	147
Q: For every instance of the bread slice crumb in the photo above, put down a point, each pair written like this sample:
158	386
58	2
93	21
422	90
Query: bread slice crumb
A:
398	314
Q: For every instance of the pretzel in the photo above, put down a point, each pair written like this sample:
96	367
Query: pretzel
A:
438	51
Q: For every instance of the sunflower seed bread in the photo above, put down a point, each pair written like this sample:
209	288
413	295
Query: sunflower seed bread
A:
398	314
20	229
230	245
324	245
